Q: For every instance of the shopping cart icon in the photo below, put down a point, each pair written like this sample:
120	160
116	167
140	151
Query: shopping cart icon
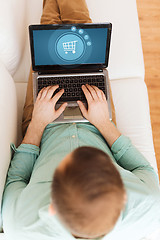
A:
70	47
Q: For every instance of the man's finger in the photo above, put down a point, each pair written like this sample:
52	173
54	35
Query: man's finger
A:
51	90
103	96
61	109
40	93
57	96
82	108
44	92
87	93
92	92
98	91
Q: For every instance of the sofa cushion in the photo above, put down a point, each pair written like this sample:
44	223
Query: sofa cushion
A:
132	114
126	57
12	18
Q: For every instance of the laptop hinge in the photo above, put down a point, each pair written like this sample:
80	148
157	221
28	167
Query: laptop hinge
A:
70	71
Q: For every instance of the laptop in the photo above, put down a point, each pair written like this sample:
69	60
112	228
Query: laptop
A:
70	55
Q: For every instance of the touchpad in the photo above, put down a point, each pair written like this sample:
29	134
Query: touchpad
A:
72	113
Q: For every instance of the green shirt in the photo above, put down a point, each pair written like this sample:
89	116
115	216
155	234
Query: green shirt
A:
27	192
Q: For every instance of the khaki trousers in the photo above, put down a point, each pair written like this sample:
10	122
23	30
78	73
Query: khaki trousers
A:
57	12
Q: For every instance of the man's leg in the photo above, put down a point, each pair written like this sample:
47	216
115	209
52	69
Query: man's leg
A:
74	11
51	13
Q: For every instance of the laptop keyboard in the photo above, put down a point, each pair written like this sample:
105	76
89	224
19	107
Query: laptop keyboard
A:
72	85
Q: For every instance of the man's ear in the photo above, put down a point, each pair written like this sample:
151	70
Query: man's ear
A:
51	210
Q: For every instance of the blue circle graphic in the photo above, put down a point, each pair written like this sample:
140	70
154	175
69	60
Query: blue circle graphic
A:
89	43
81	31
86	37
70	47
73	29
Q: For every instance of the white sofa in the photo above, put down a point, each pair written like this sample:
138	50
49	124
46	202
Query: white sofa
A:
126	71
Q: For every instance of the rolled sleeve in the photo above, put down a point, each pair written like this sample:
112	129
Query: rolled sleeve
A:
22	163
128	157
19	173
26	148
120	146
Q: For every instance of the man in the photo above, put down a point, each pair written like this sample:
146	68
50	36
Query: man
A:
80	180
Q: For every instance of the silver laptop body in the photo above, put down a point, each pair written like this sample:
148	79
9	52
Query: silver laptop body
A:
72	112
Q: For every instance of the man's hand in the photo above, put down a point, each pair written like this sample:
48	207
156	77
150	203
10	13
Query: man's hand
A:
43	113
44	109
97	112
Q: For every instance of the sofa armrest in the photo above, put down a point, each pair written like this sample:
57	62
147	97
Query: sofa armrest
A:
8	122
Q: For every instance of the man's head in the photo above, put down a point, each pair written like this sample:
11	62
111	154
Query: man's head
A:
87	192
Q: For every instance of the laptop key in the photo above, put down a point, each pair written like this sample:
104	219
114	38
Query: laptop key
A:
39	88
103	89
101	79
40	80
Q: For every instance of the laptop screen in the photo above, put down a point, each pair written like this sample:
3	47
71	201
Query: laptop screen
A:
72	46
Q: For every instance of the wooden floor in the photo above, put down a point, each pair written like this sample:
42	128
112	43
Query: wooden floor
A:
149	17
